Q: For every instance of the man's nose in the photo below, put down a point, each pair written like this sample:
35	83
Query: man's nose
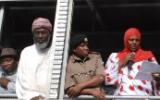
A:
40	34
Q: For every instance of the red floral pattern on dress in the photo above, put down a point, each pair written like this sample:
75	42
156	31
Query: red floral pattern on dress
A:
158	86
140	87
107	74
139	67
121	89
120	72
131	87
147	91
108	79
116	82
130	77
143	81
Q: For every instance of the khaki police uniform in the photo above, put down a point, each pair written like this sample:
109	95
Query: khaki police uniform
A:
82	70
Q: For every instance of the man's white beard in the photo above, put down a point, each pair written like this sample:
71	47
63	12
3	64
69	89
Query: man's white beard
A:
42	46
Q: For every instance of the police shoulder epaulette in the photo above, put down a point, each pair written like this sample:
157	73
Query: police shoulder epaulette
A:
94	52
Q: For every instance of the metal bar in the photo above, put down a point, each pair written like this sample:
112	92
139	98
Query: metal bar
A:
1	20
67	39
87	97
134	97
32	7
16	2
25	0
8	96
60	34
91	97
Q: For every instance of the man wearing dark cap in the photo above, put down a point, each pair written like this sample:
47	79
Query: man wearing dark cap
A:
84	74
8	69
32	77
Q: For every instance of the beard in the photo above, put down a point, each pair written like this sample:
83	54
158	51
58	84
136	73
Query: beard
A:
42	46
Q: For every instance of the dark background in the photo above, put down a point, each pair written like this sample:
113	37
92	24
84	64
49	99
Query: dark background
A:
104	21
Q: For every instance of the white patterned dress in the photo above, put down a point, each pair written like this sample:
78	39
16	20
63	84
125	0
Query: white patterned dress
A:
125	80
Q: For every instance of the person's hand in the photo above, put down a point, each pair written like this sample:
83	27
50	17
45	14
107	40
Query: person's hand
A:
130	56
4	82
156	76
74	90
127	58
100	95
37	98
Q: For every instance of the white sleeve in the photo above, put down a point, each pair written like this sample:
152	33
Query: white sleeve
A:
111	70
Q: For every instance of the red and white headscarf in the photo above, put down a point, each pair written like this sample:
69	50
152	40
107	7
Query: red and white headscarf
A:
139	54
41	23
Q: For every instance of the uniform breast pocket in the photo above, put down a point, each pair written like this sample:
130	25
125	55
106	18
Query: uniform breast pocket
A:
83	76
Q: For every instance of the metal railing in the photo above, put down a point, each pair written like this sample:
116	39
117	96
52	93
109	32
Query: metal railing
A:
86	97
89	97
8	97
2	11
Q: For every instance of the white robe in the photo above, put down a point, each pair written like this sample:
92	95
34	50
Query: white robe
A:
33	77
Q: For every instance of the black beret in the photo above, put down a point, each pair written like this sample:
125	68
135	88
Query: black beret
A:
77	39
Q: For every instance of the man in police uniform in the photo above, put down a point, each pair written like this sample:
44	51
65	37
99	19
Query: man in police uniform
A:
84	74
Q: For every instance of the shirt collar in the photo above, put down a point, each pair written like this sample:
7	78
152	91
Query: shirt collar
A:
77	59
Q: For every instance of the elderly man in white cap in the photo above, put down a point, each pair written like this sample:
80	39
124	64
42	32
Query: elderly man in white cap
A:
32	78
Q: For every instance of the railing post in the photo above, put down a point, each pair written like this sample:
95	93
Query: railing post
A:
1	21
59	48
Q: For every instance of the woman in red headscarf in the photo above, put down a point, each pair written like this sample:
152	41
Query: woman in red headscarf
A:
122	67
